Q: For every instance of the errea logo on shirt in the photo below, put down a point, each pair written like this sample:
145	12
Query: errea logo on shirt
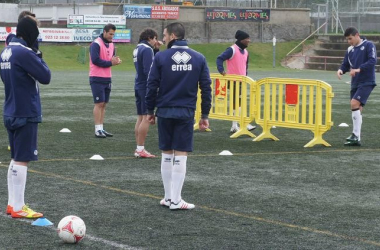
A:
179	58
5	56
135	51
7	53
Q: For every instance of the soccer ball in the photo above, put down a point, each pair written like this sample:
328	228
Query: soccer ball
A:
71	229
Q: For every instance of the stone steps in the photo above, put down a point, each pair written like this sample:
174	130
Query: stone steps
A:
328	53
325	59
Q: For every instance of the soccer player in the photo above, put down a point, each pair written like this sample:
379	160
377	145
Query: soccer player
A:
173	82
143	57
21	68
236	57
9	38
360	60
102	58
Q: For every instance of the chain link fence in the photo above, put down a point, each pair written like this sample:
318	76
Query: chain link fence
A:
341	14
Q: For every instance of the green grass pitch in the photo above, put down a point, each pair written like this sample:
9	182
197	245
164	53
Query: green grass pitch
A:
268	195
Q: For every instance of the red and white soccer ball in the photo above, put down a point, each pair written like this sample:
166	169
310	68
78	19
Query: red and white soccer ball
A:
71	229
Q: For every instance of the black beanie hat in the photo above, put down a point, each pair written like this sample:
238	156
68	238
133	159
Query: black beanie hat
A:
241	35
28	30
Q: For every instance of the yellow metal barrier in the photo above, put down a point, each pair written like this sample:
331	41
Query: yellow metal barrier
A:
280	102
226	92
294	103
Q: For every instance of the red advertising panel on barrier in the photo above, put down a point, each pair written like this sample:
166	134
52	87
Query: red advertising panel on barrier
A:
291	94
165	12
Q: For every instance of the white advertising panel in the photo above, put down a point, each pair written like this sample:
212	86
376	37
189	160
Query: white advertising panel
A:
70	35
95	21
56	35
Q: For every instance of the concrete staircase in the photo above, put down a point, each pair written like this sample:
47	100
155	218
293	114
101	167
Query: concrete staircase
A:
330	50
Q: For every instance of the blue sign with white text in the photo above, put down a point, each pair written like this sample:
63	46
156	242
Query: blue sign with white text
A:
137	12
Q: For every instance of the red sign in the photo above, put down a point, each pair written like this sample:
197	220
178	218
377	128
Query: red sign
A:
220	88
291	94
165	12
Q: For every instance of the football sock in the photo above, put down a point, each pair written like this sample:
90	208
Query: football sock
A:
234	123
19	182
357	122
166	173
10	184
140	148
98	127
179	173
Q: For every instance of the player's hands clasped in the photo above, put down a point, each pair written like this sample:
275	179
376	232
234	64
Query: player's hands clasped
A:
116	60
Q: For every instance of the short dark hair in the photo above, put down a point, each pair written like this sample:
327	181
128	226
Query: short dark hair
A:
147	34
351	31
177	29
24	14
109	27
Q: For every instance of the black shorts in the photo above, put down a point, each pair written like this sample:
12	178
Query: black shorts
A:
101	92
23	142
362	93
140	101
175	134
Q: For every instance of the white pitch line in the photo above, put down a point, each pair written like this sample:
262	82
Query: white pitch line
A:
88	237
110	243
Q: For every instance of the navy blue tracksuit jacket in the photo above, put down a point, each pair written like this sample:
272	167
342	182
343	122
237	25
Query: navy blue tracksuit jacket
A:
21	70
143	58
174	79
362	56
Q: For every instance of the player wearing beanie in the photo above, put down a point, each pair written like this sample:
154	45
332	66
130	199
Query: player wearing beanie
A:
21	70
236	57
